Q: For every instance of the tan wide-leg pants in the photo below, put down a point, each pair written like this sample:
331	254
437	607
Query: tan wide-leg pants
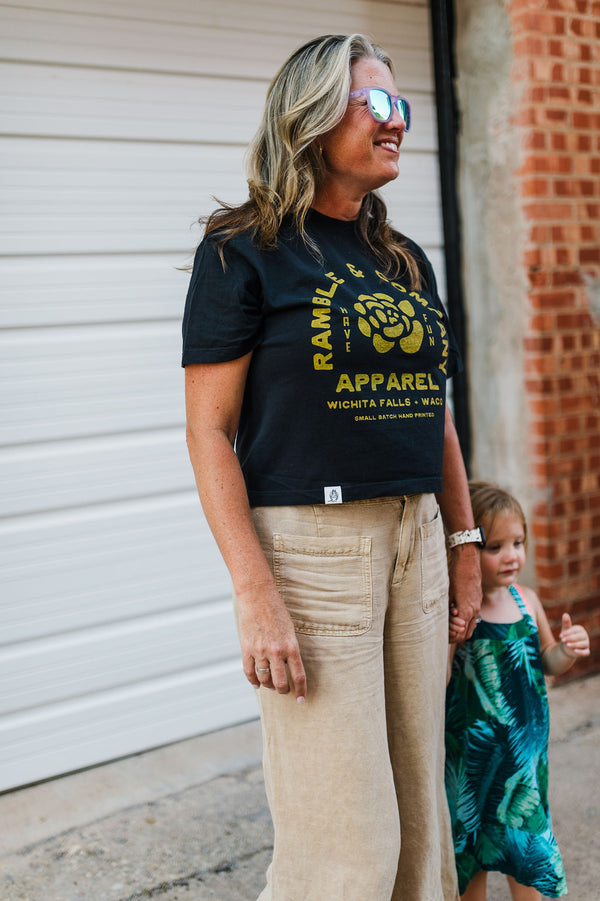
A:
354	776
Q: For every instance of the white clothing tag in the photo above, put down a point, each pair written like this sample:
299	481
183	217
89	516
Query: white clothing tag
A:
333	494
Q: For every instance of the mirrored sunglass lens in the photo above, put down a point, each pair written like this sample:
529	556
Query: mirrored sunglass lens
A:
404	111
380	105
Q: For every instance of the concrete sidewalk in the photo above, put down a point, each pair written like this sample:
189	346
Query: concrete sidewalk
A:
190	822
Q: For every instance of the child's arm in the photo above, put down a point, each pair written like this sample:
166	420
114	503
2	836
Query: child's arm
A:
574	642
558	656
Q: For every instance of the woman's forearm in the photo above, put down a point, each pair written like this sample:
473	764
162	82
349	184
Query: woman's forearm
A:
455	506
214	395
224	500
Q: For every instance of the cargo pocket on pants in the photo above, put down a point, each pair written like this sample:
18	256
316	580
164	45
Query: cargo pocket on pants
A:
434	567
325	583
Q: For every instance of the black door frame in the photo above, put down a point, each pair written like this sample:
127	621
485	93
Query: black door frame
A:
442	28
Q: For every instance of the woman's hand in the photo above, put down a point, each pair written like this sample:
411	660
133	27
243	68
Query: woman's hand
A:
270	651
465	590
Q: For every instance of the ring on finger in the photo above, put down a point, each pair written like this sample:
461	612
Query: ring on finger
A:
260	670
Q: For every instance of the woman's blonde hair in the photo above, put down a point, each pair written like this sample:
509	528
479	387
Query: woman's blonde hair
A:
307	98
489	501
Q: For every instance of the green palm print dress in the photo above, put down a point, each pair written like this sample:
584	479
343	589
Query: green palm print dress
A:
497	723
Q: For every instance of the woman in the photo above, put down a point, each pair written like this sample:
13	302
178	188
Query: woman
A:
316	353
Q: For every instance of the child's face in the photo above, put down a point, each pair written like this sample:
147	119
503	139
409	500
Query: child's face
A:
503	557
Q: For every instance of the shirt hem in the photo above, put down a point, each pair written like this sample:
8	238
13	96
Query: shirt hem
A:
297	497
216	355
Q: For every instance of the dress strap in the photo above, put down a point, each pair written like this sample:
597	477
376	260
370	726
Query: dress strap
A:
522	604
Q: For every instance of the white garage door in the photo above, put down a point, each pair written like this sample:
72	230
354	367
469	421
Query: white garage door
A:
119	119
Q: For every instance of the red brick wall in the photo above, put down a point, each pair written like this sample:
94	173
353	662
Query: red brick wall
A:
557	71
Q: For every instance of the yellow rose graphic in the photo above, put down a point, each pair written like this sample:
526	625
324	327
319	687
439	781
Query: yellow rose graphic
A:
387	321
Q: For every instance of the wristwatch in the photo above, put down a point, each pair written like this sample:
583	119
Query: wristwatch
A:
467	536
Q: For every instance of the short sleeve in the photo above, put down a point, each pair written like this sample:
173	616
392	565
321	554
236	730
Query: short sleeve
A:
223	310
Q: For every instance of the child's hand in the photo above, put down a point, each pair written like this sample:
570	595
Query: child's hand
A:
575	640
456	626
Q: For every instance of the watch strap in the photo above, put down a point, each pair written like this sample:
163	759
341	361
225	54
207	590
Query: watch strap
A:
467	536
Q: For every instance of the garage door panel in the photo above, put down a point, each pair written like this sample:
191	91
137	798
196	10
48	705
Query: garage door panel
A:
94	289
94	197
60	668
61	474
36	100
419	224
67	571
264	15
74	734
413	200
79	40
105	164
90	381
436	257
256	45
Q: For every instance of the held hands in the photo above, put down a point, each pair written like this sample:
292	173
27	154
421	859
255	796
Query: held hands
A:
269	642
465	592
456	626
574	640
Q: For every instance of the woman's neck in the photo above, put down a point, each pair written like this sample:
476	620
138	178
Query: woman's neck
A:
337	204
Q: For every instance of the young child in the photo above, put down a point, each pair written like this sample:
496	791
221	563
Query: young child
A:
497	718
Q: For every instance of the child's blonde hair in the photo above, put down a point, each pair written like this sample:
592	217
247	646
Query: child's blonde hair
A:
488	501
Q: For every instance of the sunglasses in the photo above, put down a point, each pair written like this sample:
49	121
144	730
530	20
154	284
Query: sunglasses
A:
381	104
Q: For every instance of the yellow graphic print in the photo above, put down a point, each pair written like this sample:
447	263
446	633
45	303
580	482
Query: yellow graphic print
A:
387	322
